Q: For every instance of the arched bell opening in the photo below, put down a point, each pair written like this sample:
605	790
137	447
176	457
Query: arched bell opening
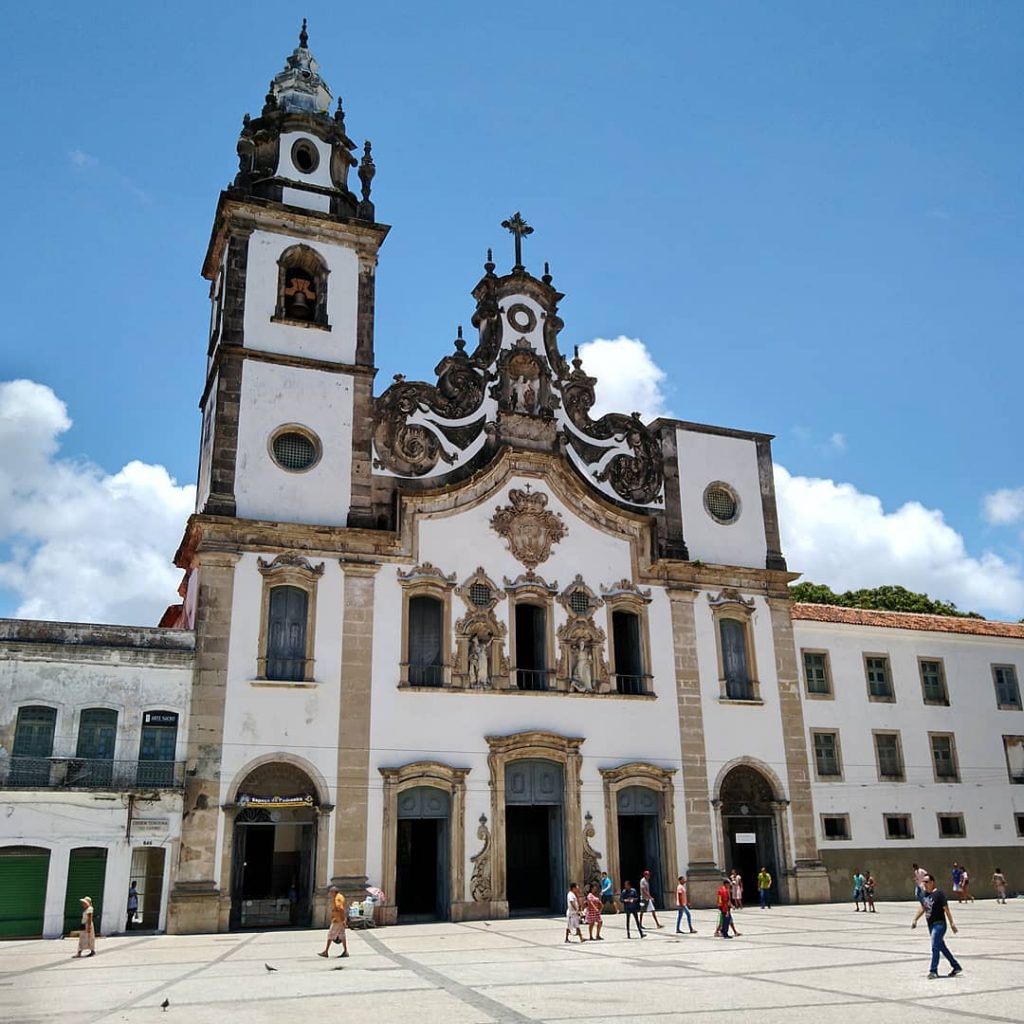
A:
273	852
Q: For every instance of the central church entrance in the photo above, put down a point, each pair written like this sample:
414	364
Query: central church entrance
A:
640	815
273	849
421	861
535	837
749	827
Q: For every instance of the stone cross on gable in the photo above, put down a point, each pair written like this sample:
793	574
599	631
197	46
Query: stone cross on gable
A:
520	229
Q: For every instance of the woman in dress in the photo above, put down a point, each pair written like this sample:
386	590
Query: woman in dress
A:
594	912
966	896
736	888
572	912
87	936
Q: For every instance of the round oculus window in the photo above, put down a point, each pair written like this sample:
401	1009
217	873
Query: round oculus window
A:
721	503
295	450
305	156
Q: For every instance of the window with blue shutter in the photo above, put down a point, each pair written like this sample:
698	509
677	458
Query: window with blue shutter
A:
734	659
426	666
286	634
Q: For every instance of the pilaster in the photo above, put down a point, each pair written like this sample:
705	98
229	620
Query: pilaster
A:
702	874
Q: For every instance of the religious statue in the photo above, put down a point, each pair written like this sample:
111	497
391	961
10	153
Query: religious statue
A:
479	671
581	678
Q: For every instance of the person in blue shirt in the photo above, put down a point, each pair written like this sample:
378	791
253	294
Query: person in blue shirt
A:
607	892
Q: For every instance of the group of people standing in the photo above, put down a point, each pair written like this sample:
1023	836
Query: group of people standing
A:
864	891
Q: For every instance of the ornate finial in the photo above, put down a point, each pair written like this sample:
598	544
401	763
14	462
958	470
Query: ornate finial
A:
304	36
367	169
547	273
489	265
576	361
519	228
460	342
339	115
245	120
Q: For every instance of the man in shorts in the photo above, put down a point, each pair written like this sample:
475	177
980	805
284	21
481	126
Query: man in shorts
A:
339	921
646	900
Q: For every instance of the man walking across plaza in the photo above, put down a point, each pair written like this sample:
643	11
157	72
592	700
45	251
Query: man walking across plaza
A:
683	907
936	906
724	908
764	885
646	900
339	922
919	876
630	904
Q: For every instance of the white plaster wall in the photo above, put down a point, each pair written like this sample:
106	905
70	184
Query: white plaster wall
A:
450	726
984	795
308	200
262	719
703	459
272	396
287	169
336	345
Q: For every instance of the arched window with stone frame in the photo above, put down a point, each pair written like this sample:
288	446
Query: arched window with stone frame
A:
426	626
734	641
287	619
531	639
630	648
302	287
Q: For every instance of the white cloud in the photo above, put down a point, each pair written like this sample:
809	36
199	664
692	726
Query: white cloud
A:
83	545
628	379
834	534
838	442
1004	507
80	158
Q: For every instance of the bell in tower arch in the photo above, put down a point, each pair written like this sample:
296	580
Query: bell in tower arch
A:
299	298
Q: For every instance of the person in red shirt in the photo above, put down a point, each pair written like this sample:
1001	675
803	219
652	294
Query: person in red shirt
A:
724	908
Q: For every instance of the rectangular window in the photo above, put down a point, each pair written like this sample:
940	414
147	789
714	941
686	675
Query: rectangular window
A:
933	681
944	757
835	826
816	674
733	634
1019	820
826	755
157	748
951	826
33	747
1014	749
889	755
876	667
899	826
1007	690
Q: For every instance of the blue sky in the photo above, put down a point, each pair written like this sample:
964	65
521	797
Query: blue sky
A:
809	214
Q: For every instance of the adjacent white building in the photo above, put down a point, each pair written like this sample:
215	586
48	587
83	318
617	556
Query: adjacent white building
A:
464	641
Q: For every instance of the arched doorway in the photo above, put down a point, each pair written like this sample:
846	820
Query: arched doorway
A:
421	868
274	849
750	829
534	836
640	815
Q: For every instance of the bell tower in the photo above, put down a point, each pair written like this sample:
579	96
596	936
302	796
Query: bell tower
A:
291	264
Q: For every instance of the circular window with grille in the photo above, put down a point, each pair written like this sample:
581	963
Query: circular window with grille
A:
305	156
579	602
294	448
480	594
721	503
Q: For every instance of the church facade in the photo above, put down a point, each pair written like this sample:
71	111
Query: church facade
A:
464	640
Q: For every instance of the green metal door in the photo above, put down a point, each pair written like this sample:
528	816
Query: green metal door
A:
87	871
23	872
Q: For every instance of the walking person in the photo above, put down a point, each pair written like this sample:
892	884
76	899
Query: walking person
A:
133	904
936	906
957	875
919	876
683	907
966	896
630	904
858	891
869	891
594	907
87	935
724	908
646	900
572	912
764	885
999	884
339	922
607	893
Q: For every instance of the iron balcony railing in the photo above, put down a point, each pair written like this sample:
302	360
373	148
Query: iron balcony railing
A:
635	685
532	678
88	773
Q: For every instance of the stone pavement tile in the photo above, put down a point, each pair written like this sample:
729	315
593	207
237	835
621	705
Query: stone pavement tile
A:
1003	1002
557	968
409	945
570	1001
798	1013
427	1007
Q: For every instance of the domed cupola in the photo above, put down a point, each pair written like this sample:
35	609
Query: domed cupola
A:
297	151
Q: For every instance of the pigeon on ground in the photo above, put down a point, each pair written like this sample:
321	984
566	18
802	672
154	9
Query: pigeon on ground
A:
165	1004
269	968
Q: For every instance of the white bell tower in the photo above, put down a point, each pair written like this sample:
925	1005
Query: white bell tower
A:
291	264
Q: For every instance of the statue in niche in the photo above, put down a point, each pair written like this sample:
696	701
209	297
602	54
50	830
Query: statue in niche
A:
524	395
479	670
581	678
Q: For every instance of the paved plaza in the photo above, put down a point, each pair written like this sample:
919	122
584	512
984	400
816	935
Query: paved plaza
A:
791	964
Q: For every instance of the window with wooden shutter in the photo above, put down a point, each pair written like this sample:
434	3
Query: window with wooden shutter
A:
734	659
425	641
286	634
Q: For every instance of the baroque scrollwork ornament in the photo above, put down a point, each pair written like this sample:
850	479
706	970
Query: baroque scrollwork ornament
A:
528	526
480	880
591	858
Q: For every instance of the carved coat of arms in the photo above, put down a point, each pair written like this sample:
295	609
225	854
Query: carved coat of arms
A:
529	527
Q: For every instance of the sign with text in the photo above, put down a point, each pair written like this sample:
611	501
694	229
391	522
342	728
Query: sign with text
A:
746	838
155	827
